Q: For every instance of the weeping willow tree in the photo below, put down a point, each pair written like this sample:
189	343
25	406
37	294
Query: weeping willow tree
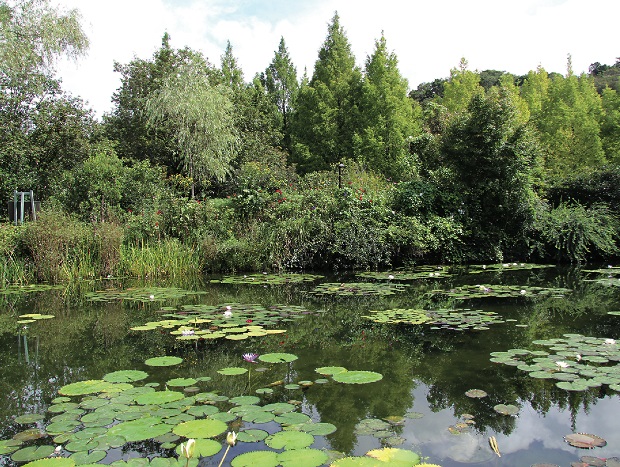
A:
202	117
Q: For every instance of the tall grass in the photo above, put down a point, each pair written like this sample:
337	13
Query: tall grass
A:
167	258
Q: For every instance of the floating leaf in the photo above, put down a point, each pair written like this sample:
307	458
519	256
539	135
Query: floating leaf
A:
395	455
252	435
289	440
32	453
277	357
29	418
330	370
52	462
203	428
302	458
506	409
232	371
476	393
256	459
357	377
163	361
86	387
140	430
584	440
125	376
159	397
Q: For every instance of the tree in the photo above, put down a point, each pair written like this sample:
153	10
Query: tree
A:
569	126
610	125
33	36
128	123
386	117
326	111
280	81
202	119
460	88
231	72
491	157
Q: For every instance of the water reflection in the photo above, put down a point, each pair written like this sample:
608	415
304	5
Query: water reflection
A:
424	370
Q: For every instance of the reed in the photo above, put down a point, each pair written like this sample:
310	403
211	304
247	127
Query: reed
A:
165	258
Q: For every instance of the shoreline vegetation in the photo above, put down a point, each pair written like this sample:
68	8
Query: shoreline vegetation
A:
197	169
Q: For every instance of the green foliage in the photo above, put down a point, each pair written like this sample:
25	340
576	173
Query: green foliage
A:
202	116
386	117
325	111
61	248
572	232
168	258
13	267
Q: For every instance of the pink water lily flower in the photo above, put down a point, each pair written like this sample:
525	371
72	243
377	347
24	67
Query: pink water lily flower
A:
250	357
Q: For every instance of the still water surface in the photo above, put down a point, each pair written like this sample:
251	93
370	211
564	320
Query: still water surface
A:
426	371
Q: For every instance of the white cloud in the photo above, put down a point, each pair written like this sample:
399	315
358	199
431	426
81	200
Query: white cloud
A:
429	38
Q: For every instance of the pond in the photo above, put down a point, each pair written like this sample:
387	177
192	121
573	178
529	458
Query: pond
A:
456	366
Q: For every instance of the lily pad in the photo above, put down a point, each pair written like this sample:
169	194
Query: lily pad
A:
140	430
159	397
357	377
85	387
476	393
32	453
302	458
289	440
506	409
584	440
29	418
125	376
278	357
52	462
252	435
395	455
163	361
203	428
232	371
256	459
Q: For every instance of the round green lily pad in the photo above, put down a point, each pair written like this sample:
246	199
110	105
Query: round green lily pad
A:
125	376
289	440
85	387
252	435
330	370
84	457
357	377
245	400
163	361
476	393
140	430
506	409
585	440
32	453
181	382
52	462
29	418
256	459
277	357
395	455
158	397
232	371
302	458
203	448
314	429
202	428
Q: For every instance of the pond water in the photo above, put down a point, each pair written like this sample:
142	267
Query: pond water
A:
567	317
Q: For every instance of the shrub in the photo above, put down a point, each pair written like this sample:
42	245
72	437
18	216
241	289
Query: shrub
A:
13	267
572	232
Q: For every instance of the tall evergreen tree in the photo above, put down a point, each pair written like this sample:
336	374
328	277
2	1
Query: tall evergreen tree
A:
460	88
231	72
569	126
386	117
280	81
326	110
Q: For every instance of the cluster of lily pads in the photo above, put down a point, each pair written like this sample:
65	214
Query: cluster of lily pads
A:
28	288
32	318
452	319
140	294
575	361
501	291
233	321
91	420
421	272
267	279
501	267
352	289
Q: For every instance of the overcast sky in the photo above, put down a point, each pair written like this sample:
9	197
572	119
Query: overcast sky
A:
429	37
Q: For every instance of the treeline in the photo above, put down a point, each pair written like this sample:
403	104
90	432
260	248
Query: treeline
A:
344	168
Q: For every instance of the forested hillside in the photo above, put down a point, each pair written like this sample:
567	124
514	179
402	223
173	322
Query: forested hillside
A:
198	167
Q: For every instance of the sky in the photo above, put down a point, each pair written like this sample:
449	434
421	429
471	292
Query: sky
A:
428	37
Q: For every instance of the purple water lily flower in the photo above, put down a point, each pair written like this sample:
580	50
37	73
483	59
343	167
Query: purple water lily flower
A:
250	357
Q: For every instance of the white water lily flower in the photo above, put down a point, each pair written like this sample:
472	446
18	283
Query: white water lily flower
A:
231	438
187	332
610	341
228	314
187	449
390	277
578	357
562	364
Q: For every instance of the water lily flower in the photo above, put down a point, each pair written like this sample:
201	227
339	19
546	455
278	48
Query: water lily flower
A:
578	357
250	357
187	449
187	332
484	266
390	276
522	292
562	364
610	341
152	297
228	314
231	438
